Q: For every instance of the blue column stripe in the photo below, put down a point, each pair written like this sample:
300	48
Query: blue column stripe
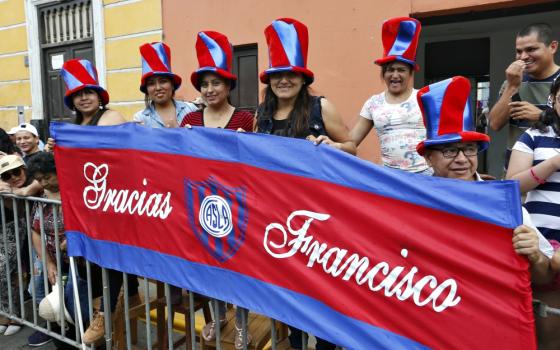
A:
162	55
71	81
218	55
88	66
290	42
407	29
146	67
468	123
432	101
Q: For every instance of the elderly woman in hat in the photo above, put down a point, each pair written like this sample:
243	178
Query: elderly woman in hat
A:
215	80
159	84
13	174
290	110
453	154
394	113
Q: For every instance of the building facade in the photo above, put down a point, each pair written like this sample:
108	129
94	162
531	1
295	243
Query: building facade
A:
37	36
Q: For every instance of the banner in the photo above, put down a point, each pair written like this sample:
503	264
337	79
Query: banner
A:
363	256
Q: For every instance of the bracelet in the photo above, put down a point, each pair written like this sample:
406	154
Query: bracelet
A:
536	178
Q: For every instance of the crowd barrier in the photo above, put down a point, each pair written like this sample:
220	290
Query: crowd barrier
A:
19	270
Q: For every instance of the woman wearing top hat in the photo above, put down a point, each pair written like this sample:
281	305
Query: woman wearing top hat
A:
214	80
290	110
85	96
394	113
159	84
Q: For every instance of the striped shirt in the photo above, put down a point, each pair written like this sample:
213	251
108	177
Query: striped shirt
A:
543	202
239	119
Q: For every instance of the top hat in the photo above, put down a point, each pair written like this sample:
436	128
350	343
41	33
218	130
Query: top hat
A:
447	114
214	54
287	41
156	60
79	74
400	39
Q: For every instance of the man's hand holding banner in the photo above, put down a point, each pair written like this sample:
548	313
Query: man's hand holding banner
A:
360	255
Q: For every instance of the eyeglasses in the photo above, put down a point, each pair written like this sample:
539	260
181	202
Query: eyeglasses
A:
452	152
8	174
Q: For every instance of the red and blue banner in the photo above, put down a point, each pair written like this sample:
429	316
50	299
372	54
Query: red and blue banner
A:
360	255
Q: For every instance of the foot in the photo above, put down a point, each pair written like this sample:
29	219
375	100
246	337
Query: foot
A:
209	330
38	339
239	343
96	329
12	329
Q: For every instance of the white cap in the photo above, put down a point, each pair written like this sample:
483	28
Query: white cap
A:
24	127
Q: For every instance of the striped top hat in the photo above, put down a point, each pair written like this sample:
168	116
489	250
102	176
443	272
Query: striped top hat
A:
156	60
447	113
400	39
287	41
79	74
214	53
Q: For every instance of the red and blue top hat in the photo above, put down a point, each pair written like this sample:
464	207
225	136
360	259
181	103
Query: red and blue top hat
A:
80	74
447	113
214	54
400	39
156	60
287	41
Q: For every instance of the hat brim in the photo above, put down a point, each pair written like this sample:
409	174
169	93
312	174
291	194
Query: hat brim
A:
483	140
176	79
15	164
195	76
102	93
390	59
307	74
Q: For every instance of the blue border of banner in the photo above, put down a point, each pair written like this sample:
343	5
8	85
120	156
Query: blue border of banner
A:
476	200
240	290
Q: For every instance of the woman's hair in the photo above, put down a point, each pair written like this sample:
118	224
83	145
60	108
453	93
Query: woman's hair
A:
549	117
299	115
43	162
6	144
147	100
95	119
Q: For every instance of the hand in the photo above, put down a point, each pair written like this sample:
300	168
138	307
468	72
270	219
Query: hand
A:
524	110
49	146
188	126
51	272
487	177
324	139
63	245
526	242
240	130
514	73
4	187
555	261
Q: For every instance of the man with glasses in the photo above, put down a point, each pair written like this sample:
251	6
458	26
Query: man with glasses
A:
451	149
524	94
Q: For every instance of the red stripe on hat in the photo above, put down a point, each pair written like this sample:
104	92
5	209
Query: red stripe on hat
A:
80	73
152	59
203	54
389	32
453	106
276	52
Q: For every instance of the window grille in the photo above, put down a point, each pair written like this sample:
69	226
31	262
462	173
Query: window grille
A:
66	22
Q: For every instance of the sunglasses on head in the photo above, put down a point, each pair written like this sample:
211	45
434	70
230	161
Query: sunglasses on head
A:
8	174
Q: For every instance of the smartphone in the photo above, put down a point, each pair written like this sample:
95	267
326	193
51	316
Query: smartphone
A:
516	97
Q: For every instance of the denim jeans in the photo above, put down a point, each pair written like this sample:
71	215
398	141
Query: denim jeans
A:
38	282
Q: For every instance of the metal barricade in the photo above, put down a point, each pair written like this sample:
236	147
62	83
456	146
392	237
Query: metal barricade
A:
18	215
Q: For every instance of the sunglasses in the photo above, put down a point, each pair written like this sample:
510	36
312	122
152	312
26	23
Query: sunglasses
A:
8	174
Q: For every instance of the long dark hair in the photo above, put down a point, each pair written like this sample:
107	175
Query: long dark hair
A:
6	144
549	117
299	115
95	119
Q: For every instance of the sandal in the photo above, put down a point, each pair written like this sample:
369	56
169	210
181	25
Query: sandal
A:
239	344
209	330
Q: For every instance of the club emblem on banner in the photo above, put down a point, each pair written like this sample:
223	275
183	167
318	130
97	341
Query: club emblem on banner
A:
217	215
